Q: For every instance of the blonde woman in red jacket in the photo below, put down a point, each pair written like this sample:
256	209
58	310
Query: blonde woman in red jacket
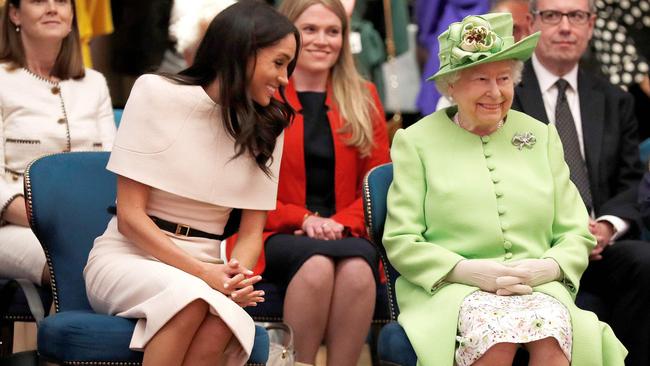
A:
316	242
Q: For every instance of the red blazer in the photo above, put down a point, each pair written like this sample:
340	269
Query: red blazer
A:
349	170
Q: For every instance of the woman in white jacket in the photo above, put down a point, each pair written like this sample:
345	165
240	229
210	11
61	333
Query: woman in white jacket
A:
48	104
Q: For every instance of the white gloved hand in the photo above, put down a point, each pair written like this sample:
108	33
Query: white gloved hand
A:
483	273
537	271
511	285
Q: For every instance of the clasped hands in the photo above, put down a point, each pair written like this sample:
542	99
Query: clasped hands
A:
233	280
511	278
322	228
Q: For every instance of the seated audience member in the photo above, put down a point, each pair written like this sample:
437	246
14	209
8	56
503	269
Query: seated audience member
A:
598	129
519	11
316	242
48	104
489	234
187	25
190	148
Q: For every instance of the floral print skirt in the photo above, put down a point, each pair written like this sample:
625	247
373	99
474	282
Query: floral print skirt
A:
486	319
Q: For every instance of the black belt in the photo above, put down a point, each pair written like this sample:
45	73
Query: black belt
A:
185	230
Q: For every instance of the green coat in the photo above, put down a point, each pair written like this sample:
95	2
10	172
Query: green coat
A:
456	195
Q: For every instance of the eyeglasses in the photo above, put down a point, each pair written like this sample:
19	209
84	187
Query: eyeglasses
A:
577	17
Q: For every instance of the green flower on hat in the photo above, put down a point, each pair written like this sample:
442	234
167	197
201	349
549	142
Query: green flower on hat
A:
479	39
473	39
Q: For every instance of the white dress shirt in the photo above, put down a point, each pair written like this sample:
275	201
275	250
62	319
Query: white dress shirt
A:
546	80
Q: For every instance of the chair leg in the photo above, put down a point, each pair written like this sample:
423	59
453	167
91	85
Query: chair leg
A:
7	338
373	338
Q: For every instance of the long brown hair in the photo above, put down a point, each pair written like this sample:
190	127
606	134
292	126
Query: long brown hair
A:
69	62
351	95
233	38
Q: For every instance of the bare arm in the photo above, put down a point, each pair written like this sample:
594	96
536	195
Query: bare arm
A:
249	242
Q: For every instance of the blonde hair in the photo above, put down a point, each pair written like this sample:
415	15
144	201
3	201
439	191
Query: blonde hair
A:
351	95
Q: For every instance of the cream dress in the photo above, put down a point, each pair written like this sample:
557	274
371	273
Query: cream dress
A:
172	140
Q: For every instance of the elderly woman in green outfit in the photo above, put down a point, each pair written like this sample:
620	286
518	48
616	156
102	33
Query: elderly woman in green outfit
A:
484	225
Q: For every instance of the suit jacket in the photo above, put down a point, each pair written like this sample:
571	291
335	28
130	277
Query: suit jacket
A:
610	139
349	170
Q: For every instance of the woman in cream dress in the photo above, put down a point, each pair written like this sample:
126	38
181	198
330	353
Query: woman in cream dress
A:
48	104
190	148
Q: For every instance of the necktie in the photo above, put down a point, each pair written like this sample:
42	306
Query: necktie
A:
566	128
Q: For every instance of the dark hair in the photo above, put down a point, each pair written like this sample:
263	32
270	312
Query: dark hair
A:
231	40
69	62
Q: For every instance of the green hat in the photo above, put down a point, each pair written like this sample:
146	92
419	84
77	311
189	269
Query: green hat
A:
481	39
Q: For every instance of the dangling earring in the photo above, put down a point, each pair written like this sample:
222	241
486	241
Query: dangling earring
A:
17	29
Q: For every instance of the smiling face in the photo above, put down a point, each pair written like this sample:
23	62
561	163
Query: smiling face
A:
322	38
561	45
270	69
42	20
484	94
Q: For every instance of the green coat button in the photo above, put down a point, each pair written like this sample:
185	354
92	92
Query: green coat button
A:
485	139
508	255
507	245
501	210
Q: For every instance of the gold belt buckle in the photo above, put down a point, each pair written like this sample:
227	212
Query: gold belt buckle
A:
180	228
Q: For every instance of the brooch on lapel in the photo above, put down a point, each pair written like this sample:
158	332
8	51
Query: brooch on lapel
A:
526	139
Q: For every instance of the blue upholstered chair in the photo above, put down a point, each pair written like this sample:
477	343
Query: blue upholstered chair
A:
67	196
393	347
117	115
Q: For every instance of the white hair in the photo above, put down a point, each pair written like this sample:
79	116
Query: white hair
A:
189	18
443	82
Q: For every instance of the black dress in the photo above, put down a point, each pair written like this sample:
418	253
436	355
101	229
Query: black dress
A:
286	253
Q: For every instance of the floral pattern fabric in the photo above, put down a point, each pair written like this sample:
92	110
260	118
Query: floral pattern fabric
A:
486	319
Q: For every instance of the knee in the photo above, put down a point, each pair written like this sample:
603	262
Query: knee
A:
317	273
638	267
498	354
191	315
216	328
547	348
357	274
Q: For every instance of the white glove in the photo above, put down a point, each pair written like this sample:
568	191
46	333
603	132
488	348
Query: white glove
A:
537	271
484	273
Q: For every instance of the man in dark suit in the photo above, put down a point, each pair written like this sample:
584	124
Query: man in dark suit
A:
598	130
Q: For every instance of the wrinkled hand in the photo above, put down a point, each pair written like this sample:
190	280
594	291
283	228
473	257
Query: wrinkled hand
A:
603	231
233	279
490	276
537	271
321	228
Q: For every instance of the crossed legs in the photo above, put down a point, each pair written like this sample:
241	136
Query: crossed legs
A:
173	345
330	301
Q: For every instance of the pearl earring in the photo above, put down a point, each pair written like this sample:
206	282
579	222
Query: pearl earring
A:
17	29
